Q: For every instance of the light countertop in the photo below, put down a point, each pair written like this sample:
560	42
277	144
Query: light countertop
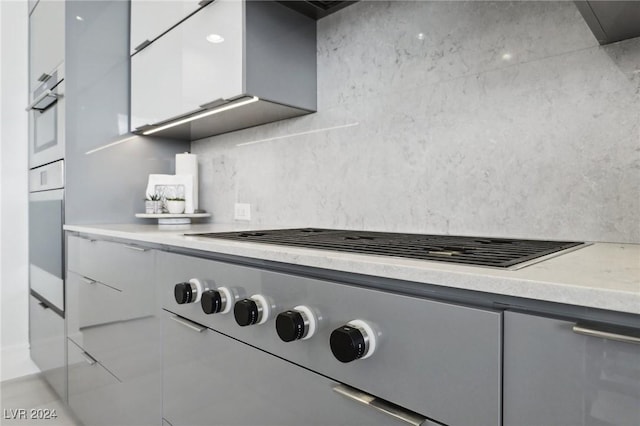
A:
600	275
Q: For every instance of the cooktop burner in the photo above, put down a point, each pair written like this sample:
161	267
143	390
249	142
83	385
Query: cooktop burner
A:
494	252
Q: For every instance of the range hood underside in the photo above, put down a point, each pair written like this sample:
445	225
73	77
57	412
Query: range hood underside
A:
250	115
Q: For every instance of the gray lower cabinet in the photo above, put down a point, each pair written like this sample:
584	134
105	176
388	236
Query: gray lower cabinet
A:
46	334
212	379
554	376
92	388
113	331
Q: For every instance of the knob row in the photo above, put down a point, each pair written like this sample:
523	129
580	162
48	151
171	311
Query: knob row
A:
354	340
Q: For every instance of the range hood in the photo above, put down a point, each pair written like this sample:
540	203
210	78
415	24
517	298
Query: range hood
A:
316	9
611	21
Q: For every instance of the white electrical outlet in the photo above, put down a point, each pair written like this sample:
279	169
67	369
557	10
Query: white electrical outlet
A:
242	211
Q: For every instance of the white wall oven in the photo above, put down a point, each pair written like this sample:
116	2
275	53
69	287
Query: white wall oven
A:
46	119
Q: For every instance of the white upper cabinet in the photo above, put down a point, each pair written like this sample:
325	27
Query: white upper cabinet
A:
230	65
46	40
151	18
189	66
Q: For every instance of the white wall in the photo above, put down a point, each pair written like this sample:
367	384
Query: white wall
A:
14	287
502	119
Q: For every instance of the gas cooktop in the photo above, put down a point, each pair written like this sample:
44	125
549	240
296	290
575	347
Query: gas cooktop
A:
478	251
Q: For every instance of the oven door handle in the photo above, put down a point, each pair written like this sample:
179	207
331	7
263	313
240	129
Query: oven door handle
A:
383	406
50	97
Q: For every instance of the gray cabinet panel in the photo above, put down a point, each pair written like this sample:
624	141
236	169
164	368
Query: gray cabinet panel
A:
125	267
92	389
117	330
106	186
100	397
210	379
553	376
439	359
115	321
46	335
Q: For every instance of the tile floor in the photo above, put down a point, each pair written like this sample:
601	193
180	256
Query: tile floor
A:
27	393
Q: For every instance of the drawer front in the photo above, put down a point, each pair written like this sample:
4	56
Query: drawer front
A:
439	359
110	323
47	345
99	397
92	389
555	376
209	378
122	266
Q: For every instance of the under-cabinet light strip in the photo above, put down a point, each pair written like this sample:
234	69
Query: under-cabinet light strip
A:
203	114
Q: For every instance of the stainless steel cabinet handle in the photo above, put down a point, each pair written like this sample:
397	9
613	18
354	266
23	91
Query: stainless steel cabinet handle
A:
49	93
136	248
90	360
142	45
606	335
192	325
43	305
386	407
88	280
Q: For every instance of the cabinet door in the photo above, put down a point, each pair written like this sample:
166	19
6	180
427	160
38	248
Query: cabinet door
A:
182	70
47	344
211	379
150	18
46	39
553	376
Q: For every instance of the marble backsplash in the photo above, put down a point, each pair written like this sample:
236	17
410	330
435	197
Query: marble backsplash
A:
501	119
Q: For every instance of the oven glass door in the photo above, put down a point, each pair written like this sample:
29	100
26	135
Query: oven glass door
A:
46	245
46	135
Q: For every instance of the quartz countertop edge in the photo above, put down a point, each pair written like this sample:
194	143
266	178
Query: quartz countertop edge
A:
600	275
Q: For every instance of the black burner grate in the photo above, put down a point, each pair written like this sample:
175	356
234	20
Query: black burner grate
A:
495	252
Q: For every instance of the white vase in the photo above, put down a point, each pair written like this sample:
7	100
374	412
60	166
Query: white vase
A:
175	207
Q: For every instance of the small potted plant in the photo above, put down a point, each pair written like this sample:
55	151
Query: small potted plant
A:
175	205
153	204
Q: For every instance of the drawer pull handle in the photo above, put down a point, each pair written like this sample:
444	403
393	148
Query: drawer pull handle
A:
88	280
606	335
136	248
381	405
189	324
43	305
142	45
90	360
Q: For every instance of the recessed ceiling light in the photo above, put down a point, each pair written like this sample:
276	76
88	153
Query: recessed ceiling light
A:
79	18
507	57
420	36
215	38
